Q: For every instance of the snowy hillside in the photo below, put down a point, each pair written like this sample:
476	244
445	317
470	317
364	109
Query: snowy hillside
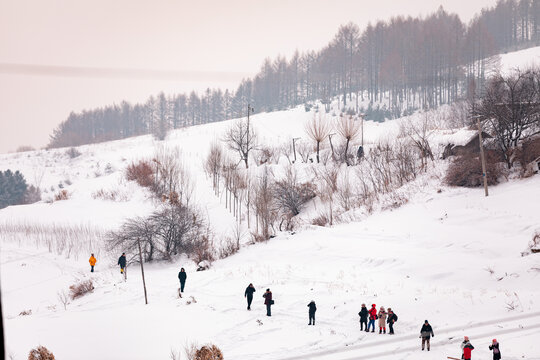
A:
428	251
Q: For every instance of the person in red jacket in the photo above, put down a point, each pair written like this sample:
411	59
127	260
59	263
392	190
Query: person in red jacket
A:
372	318
467	348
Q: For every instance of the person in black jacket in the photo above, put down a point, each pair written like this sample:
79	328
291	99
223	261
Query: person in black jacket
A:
363	317
182	276
249	295
495	347
268	301
122	262
312	308
425	333
392	318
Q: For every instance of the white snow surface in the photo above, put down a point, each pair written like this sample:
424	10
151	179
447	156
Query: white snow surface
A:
449	255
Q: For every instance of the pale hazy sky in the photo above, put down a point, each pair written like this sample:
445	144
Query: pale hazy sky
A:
197	44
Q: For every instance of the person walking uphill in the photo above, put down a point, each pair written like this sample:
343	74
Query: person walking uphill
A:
372	317
312	308
122	262
92	262
425	333
268	302
392	318
182	276
382	320
363	317
467	348
249	295
495	347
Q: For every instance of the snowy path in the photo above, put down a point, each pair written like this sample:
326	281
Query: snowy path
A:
528	322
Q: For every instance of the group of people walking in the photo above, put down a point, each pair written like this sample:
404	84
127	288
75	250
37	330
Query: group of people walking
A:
367	317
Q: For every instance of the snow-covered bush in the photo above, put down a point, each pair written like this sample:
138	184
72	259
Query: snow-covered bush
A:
40	353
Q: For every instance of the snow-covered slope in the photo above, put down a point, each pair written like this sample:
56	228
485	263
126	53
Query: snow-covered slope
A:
448	255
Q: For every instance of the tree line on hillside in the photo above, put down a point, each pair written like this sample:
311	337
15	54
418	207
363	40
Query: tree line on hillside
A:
398	66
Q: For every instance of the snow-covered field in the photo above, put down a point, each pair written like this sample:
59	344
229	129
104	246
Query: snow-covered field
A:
449	255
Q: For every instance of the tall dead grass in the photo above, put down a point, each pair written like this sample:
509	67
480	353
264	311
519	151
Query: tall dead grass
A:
70	241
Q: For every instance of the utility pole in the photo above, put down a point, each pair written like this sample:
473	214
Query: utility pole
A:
294	147
482	157
362	127
142	271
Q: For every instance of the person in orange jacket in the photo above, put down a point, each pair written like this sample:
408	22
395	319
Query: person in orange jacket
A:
92	262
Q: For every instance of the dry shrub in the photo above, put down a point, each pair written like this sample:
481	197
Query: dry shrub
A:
72	153
466	171
141	172
203	249
527	153
25	148
80	289
40	353
111	195
258	237
229	247
268	155
61	195
394	201
209	352
534	245
321	220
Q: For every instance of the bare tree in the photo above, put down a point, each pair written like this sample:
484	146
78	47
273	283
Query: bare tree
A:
290	195
171	230
242	139
304	151
318	129
348	128
419	133
64	298
511	109
264	203
329	177
212	165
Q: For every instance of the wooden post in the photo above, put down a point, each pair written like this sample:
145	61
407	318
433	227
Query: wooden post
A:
294	148
482	157
142	271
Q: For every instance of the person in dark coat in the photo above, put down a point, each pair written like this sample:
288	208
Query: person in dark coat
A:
392	318
249	295
372	317
312	308
467	348
363	317
495	347
122	262
182	276
268	302
425	333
